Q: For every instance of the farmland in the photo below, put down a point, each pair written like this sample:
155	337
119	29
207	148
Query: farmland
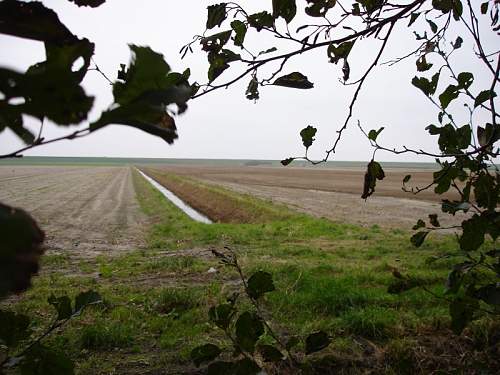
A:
331	256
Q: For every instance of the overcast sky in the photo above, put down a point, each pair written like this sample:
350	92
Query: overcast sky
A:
224	124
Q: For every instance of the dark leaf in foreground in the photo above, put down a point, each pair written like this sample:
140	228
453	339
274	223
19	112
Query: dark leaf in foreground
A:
221	315
270	353
249	328
418	238
319	8
260	283
373	173
462	311
85	299
307	134
88	3
204	353
41	360
13	328
216	15
317	341
285	9
294	80
62	306
32	20
21	249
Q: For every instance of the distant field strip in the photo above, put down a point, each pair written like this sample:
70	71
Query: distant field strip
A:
218	204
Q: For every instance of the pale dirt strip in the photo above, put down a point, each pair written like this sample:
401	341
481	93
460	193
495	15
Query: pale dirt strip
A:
386	212
84	210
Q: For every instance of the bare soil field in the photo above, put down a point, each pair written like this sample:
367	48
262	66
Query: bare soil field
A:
331	193
86	210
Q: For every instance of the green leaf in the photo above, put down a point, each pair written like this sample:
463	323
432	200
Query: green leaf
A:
13	328
457	9
422	64
451	140
433	26
484	96
340	52
427	87
307	134
269	353
488	135
484	7
462	312
32	20
252	92
458	43
433	219
448	95
216	42
149	118
317	341
399	286
420	224
285	9
217	67
490	294
371	5
473	231
62	306
292	342
148	71
245	366
269	50
465	80
373	134
455	206
21	247
261	20
444	6
88	3
204	353
454	280
220	368
413	18
249	328
41	360
85	299
294	80
48	92
216	15
240	30
287	161
141	100
486	191
221	315
418	238
319	8
373	173
260	283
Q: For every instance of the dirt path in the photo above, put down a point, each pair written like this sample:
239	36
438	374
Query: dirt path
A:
84	210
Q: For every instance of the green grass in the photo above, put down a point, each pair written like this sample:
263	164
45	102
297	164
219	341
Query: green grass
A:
328	275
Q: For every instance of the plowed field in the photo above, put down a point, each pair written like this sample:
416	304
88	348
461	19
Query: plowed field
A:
84	210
